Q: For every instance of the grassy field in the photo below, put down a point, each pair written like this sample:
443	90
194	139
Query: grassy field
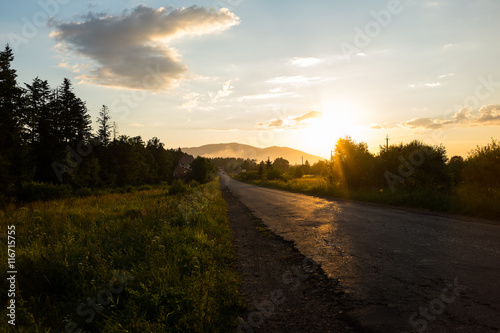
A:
134	262
464	200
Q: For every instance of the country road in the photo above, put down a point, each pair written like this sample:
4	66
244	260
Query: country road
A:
406	270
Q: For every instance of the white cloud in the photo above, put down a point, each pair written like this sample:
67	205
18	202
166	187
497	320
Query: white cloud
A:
136	125
266	96
226	90
306	62
132	50
446	75
433	84
298	80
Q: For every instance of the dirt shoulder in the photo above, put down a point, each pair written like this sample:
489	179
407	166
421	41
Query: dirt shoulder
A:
284	291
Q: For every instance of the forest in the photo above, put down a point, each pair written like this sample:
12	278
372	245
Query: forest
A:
49	149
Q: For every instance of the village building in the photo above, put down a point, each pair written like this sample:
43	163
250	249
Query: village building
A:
183	167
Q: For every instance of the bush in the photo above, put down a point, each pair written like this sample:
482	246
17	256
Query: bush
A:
251	175
275	175
35	191
177	187
83	192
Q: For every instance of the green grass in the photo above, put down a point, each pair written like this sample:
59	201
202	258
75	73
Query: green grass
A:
464	200
165	260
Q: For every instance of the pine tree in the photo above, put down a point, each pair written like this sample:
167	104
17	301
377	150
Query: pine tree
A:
104	131
12	147
50	145
75	120
38	99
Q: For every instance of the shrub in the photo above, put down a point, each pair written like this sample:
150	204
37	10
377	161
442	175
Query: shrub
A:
275	175
177	187
34	191
251	175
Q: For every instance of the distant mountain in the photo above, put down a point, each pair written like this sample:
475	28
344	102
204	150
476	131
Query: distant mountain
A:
238	150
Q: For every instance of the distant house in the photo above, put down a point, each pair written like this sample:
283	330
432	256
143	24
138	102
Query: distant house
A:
183	167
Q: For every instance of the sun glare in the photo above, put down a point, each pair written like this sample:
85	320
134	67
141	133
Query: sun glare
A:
336	121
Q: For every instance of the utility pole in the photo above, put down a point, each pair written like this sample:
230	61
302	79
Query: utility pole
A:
387	143
302	160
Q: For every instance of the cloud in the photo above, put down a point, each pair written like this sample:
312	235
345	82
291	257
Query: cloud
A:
305	62
131	50
136	125
308	115
291	122
226	90
425	123
486	115
274	123
446	75
463	115
489	114
433	84
194	99
265	96
296	80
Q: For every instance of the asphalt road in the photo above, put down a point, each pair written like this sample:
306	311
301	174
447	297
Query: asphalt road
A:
406	270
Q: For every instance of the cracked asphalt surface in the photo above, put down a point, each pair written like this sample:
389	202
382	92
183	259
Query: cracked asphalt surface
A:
406	270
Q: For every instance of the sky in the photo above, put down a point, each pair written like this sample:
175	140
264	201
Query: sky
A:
289	73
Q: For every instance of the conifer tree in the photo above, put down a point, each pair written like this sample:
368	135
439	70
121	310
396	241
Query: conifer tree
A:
104	130
12	147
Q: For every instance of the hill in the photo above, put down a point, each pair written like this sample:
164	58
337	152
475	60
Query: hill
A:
238	150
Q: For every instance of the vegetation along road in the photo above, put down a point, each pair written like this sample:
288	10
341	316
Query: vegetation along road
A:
406	270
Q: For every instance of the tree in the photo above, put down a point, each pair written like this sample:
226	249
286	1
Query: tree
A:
455	167
38	98
306	168
297	172
260	170
319	168
482	167
269	164
104	130
353	164
12	148
74	118
48	146
281	164
416	165
202	170
162	159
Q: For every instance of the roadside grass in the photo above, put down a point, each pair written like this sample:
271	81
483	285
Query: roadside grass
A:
464	200
124	262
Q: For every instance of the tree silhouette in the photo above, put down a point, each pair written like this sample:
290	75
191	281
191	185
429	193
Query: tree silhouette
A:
12	148
74	118
104	130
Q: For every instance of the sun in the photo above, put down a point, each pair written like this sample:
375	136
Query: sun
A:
320	134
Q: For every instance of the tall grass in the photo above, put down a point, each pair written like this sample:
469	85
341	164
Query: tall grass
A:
172	255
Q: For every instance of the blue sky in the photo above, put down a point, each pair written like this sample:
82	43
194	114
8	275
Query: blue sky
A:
295	73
